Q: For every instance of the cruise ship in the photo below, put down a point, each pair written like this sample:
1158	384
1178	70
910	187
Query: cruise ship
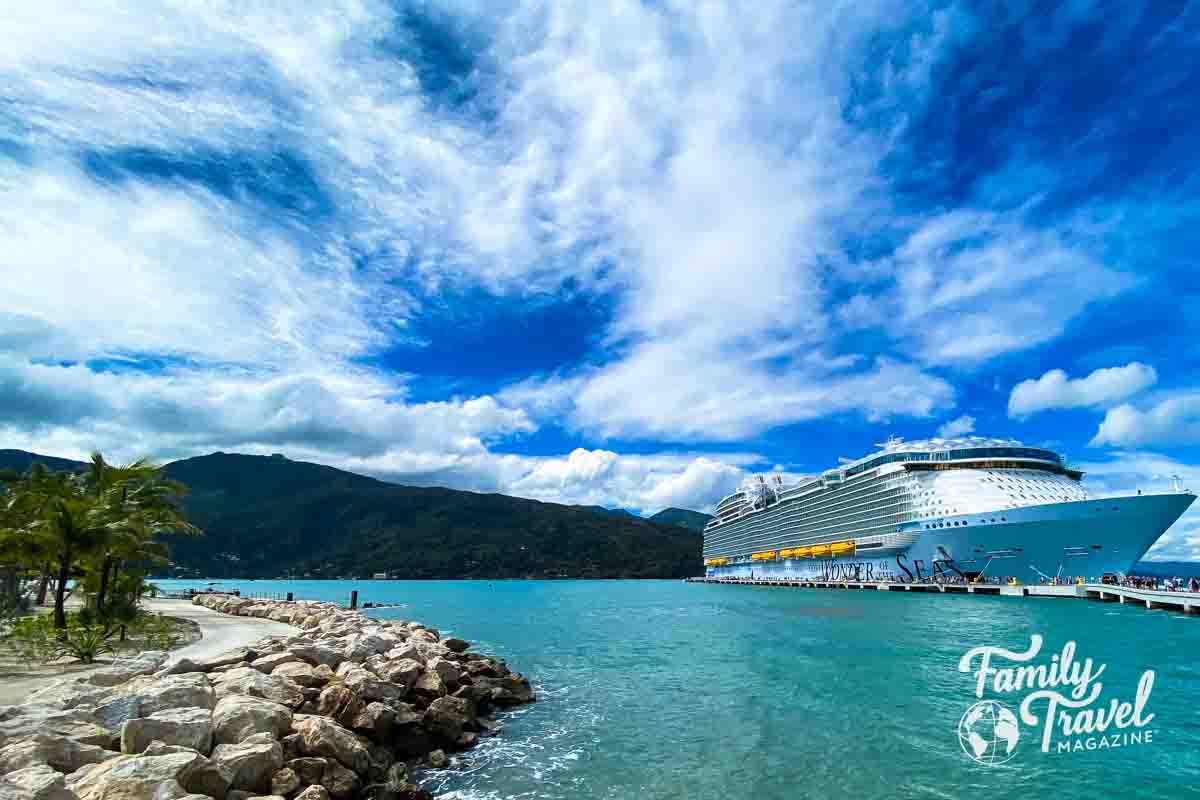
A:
950	508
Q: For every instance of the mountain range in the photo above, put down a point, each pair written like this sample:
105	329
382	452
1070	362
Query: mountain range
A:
267	516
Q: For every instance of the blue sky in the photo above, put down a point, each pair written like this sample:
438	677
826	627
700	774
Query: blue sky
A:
619	253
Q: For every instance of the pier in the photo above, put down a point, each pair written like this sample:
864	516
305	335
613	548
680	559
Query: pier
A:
1185	602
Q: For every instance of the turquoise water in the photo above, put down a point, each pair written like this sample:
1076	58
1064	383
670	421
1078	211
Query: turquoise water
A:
657	689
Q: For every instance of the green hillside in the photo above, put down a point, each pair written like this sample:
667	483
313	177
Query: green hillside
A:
266	516
20	460
683	517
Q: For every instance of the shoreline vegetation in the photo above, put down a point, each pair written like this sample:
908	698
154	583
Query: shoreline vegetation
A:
346	707
96	532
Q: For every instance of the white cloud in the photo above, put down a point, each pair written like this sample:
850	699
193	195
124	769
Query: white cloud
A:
1102	387
697	167
184	412
970	285
1173	421
957	427
631	149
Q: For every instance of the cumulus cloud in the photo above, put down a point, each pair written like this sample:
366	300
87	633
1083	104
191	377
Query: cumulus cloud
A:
185	411
1173	421
1102	387
960	426
643	482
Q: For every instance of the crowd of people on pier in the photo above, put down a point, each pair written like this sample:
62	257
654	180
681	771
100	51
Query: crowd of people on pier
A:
1176	584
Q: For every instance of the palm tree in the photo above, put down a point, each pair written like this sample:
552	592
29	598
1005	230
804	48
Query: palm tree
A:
26	499
76	528
139	504
100	519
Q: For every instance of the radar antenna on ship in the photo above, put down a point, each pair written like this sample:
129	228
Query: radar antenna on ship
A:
760	494
892	441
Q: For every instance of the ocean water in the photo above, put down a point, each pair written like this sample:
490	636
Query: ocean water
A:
661	689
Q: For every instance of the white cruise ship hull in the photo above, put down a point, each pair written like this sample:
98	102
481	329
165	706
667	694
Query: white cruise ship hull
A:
1086	538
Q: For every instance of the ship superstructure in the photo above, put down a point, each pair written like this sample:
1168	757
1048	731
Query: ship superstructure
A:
965	506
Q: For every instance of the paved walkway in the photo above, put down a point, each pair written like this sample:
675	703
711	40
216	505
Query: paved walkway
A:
219	632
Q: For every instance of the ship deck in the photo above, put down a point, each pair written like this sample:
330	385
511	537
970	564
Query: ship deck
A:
1185	602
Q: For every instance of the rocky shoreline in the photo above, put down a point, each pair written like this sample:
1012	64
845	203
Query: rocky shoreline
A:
342	710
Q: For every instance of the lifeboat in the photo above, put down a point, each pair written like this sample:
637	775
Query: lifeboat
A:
820	550
765	555
842	548
716	562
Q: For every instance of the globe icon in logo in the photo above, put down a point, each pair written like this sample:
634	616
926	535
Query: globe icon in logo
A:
988	732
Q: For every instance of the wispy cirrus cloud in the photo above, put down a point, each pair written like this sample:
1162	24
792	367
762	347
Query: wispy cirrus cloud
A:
810	212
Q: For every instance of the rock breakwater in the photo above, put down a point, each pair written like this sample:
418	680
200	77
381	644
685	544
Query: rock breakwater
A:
342	710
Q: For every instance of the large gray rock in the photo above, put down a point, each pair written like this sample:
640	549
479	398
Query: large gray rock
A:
125	669
114	712
38	782
227	659
374	720
403	672
238	716
408	650
249	681
190	690
134	777
69	694
448	671
182	666
324	737
64	755
202	776
186	727
23	722
428	687
317	654
446	717
267	664
342	783
250	764
509	690
339	702
364	684
368	643
300	673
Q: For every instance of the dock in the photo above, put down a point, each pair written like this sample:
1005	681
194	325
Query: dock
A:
1185	602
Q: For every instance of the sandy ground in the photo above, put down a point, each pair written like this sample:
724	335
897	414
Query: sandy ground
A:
219	632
